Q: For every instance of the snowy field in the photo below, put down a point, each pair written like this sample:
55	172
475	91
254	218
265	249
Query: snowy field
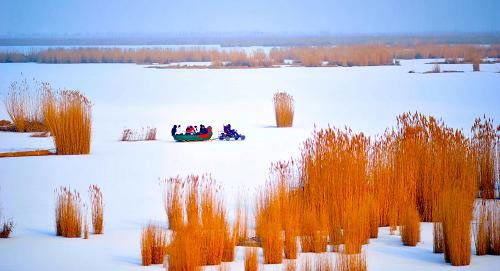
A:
366	99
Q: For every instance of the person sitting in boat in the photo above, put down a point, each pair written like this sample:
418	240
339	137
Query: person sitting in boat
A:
189	130
203	129
174	129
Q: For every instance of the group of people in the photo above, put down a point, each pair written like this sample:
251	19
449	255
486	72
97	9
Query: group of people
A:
191	130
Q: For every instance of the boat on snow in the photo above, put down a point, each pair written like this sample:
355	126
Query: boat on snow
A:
194	137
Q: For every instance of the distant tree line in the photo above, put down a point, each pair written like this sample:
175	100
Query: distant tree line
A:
352	55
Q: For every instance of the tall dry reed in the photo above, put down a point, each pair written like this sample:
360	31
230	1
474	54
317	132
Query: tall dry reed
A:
284	109
24	105
251	259
153	244
97	209
173	202
68	213
410	227
68	117
486	140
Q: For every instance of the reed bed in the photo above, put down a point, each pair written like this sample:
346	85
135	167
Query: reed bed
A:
68	116
341	55
68	213
153	244
284	109
97	209
147	134
346	185
251	260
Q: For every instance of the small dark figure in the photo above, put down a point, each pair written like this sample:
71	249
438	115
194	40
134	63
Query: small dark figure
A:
174	130
227	129
203	129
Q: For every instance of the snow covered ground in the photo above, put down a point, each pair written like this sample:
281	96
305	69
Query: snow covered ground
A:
366	99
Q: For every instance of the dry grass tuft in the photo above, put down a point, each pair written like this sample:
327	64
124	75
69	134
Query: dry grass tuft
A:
68	116
132	135
97	209
40	134
7	228
251	259
284	109
153	244
68	213
436	68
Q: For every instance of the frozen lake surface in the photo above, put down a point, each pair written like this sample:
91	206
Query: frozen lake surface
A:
367	99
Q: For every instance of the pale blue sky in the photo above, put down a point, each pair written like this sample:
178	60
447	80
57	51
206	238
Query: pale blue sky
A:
222	16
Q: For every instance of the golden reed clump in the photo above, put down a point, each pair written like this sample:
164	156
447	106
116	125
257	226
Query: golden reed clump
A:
284	109
68	213
97	209
486	140
410	227
205	237
251	259
335	186
24	106
153	244
68	117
